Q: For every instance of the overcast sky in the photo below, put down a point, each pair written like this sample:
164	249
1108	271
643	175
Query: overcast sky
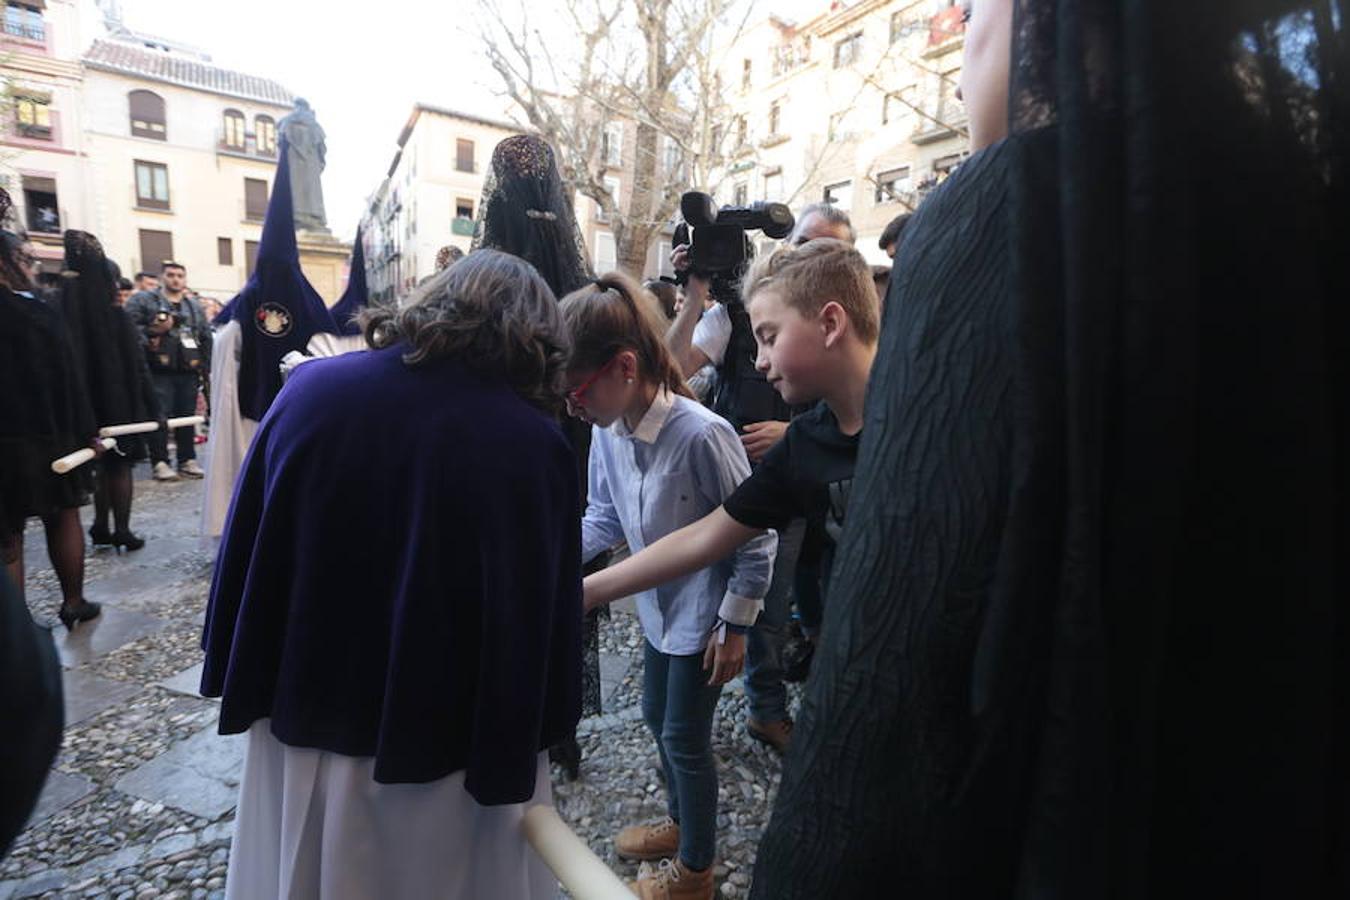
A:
361	66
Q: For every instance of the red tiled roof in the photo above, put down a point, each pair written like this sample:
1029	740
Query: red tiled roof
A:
127	59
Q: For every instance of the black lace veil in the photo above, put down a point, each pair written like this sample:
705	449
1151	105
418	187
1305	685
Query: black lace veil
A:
87	299
525	212
1137	682
1204	234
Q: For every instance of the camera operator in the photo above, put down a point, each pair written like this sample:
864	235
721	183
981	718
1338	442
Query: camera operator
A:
699	339
724	338
177	339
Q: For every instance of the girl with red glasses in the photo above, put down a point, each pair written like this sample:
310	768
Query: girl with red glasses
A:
659	461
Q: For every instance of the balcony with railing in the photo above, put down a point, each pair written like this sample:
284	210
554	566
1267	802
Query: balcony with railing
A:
25	26
946	31
939	120
789	56
36	32
248	149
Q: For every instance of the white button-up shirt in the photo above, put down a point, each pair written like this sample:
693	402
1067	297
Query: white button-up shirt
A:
677	466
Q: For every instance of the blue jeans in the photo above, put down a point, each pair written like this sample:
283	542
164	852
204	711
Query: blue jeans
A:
764	643
177	397
678	704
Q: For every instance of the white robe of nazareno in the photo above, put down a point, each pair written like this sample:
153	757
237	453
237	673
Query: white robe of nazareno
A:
231	433
316	824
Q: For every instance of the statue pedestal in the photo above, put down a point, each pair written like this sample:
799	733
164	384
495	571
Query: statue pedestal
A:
323	259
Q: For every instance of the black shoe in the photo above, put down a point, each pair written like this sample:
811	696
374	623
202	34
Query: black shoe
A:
126	540
71	616
799	663
100	535
567	753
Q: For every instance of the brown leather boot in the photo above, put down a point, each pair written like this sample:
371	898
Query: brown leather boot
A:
672	881
659	840
776	734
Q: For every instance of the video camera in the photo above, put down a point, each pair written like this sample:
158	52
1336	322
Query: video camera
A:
719	249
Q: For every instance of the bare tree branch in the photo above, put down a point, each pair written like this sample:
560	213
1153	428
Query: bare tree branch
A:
628	62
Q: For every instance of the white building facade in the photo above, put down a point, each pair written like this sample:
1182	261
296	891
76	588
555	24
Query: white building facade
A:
856	107
138	140
430	195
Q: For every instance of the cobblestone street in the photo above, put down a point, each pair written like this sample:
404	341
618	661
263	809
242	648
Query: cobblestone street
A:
141	800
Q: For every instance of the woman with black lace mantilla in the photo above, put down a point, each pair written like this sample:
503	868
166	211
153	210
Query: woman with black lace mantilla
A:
117	380
526	213
1088	636
45	414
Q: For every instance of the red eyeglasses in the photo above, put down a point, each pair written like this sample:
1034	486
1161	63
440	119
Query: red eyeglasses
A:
577	398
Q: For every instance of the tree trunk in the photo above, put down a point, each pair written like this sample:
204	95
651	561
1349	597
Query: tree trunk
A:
640	211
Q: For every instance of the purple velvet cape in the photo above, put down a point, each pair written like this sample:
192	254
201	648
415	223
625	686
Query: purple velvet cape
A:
399	575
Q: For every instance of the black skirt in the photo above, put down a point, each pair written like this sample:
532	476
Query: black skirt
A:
29	487
44	413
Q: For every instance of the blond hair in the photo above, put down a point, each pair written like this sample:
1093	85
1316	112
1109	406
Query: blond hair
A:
816	273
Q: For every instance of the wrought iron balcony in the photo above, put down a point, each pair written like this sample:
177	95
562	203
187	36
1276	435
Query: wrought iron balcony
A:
29	31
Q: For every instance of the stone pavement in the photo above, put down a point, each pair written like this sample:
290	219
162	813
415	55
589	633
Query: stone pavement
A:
141	801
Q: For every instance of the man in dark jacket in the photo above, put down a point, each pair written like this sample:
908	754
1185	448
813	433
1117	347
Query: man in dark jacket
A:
177	337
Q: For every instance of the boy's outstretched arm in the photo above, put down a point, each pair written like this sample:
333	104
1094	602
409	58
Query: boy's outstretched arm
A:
693	547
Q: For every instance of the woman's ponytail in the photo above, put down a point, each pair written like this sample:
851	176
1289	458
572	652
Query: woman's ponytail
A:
615	314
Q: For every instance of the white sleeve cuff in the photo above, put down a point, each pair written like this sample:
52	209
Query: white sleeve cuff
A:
738	610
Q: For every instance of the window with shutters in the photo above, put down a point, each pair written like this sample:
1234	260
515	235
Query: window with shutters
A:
464	159
250	256
24	20
895	185
152	185
847	51
897	26
663	263
773	184
612	144
235	128
839	195
606	255
41	205
156	249
255	199
946	165
33	115
147	115
225	251
266	129
671	156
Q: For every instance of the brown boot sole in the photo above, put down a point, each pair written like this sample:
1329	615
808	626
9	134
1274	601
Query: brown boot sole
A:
644	857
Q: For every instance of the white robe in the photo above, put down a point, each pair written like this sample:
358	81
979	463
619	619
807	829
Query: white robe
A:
231	433
315	825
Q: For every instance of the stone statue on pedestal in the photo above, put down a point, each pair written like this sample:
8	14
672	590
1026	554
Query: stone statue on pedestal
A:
305	140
